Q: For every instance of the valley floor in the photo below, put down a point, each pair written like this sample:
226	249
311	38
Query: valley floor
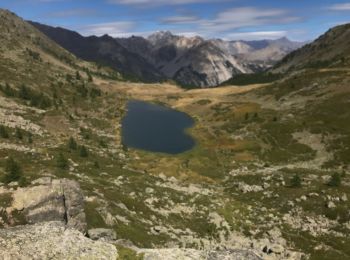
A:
233	190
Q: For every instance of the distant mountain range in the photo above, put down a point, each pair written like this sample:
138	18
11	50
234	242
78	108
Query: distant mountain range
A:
190	61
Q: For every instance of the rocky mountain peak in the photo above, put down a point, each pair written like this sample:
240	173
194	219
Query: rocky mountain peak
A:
160	38
160	35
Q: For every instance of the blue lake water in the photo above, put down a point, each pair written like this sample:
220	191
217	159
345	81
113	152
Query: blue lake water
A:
156	128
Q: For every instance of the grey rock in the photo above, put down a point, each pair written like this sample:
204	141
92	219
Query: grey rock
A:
102	234
344	198
277	249
52	200
330	205
74	205
192	254
51	240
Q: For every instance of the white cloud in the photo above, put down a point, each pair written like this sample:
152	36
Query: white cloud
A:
340	7
236	18
249	36
226	23
180	19
161	2
114	29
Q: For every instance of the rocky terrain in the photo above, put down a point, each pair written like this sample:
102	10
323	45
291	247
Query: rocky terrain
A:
267	179
51	240
54	212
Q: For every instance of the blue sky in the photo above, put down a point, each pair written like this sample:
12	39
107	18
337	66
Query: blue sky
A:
228	19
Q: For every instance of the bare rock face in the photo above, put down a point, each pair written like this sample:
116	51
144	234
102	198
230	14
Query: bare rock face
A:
51	200
102	234
192	254
51	240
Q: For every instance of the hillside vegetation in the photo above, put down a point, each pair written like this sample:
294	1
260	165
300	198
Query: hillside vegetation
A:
331	50
270	171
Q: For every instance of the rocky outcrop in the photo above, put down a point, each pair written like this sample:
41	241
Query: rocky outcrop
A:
192	254
55	210
51	240
51	200
102	234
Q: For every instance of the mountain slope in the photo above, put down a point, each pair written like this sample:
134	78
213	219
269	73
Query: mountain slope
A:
197	62
191	61
206	65
332	49
104	50
35	58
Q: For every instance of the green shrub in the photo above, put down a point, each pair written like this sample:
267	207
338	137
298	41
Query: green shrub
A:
13	171
35	55
77	76
72	144
37	99
69	77
24	92
295	182
90	79
82	90
83	152
19	134
85	133
335	180
95	92
7	90
62	162
30	138
3	132
96	165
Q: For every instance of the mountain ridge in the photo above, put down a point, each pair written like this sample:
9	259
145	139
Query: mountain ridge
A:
229	57
190	61
331	49
104	50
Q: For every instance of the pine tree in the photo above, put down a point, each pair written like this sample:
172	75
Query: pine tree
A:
13	171
97	165
83	151
90	79
335	180
3	132
72	144
246	116
296	181
61	161
24	92
30	138
19	134
77	76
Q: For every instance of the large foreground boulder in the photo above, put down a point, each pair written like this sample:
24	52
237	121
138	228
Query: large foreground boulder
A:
51	240
51	200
